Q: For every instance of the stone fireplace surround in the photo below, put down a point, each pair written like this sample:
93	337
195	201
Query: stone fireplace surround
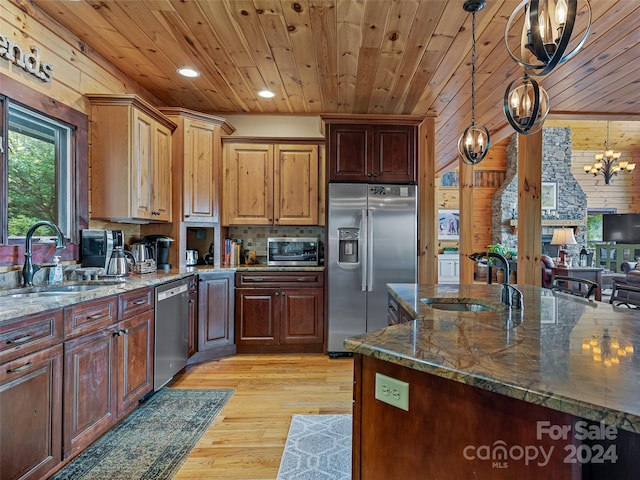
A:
571	201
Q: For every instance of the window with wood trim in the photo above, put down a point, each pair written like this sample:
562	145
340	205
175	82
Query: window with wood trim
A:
43	171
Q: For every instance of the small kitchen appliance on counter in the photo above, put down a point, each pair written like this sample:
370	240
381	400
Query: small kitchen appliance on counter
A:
191	257
97	246
160	247
142	251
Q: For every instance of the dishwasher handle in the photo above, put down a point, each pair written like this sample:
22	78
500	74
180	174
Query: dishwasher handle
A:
172	292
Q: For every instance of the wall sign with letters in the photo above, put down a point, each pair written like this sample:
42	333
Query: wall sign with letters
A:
29	61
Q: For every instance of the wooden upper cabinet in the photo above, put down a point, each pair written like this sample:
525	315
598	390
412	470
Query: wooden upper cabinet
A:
130	160
197	153
384	151
295	185
270	184
248	184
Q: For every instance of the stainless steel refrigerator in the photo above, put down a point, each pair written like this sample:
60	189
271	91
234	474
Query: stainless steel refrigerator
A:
371	241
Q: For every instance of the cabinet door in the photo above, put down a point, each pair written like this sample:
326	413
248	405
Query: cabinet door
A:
349	153
257	312
135	360
161	174
200	193
394	153
295	185
142	164
248	184
215	312
301	316
90	390
31	414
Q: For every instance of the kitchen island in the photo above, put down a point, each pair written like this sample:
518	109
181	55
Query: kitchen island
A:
550	390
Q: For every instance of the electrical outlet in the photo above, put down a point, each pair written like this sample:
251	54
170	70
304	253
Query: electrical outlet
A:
392	391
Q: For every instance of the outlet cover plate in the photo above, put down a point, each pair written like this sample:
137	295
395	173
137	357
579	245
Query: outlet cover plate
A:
392	391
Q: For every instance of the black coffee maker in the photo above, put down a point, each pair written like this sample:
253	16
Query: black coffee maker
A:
160	247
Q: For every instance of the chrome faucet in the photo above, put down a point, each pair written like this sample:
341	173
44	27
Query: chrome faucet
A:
511	296
29	269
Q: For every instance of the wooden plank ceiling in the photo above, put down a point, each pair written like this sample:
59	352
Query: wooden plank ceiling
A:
352	56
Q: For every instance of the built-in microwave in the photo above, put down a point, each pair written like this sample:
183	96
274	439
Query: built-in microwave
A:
284	251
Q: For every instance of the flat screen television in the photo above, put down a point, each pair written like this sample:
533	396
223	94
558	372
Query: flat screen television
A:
621	227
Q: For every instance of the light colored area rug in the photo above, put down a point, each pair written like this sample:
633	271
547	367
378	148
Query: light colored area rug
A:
318	448
153	441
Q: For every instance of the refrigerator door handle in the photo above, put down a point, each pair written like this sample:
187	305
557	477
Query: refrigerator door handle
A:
364	242
370	250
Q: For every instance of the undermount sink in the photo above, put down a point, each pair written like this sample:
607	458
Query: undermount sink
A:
46	293
73	288
57	290
457	305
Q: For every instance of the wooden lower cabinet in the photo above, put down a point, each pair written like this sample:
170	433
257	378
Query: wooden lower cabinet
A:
282	318
135	345
90	388
215	316
31	413
107	371
67	376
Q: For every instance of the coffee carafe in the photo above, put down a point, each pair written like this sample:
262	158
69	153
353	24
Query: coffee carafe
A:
118	264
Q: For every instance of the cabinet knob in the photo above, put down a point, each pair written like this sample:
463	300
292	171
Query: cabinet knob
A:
277	293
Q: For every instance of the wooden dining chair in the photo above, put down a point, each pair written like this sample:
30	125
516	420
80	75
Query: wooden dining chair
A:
574	286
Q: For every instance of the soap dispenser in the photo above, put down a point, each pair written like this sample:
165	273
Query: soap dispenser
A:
55	273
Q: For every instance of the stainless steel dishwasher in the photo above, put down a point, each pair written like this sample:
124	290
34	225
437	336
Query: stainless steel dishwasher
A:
171	331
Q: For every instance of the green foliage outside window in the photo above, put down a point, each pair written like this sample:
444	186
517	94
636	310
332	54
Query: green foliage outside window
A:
31	182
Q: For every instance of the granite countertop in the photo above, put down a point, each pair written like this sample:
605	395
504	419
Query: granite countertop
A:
12	307
544	357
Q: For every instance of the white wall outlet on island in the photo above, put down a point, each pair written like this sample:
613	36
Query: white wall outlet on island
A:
392	391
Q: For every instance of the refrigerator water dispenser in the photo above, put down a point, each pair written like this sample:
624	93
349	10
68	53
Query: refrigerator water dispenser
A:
348	245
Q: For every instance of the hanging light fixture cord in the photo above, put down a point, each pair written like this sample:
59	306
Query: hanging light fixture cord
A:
473	69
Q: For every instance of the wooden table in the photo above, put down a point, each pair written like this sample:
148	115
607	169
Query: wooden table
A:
593	274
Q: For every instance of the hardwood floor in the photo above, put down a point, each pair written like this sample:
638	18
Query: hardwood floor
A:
247	439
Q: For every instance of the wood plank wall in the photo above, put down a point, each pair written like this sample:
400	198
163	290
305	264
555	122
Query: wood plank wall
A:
77	71
623	193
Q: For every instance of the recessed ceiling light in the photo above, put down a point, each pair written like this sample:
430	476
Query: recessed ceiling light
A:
188	72
266	94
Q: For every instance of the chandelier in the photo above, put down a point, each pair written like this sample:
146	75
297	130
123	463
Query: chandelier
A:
547	30
546	40
474	143
526	105
608	163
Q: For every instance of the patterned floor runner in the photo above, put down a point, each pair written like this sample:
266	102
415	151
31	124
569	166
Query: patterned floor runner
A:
153	441
318	448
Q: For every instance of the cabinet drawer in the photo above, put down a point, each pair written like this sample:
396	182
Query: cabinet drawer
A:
279	279
135	302
29	334
89	316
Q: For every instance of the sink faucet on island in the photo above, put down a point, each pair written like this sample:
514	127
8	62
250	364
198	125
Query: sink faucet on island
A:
29	269
495	378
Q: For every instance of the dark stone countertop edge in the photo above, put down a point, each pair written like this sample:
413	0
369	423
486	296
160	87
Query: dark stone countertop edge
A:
624	420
